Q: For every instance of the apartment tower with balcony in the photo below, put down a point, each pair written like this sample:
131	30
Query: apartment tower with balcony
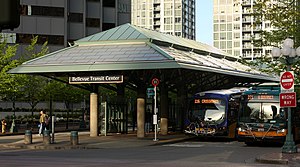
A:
176	17
236	30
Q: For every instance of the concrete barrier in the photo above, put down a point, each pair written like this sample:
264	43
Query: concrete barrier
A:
74	138
46	137
28	137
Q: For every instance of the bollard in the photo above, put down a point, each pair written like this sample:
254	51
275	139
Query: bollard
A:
28	137
74	138
46	137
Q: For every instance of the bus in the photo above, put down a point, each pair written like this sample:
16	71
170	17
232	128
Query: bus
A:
214	113
261	119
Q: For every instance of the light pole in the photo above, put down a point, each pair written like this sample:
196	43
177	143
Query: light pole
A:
289	54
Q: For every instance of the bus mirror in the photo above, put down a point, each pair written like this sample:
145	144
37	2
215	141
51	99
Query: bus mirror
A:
273	121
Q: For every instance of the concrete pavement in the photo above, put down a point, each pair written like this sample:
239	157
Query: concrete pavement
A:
63	141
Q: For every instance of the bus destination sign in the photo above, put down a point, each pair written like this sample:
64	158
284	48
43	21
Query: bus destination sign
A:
96	79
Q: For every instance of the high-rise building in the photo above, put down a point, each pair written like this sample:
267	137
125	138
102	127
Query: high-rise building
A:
62	21
176	17
236	30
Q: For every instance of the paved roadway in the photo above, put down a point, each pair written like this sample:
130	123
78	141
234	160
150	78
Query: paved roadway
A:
184	154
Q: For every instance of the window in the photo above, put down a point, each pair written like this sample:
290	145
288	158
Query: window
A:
236	27
109	3
41	11
216	44
229	36
91	22
229	44
216	27
236	35
168	20
222	36
223	27
236	44
223	45
75	17
229	27
52	39
177	20
236	53
106	26
216	36
222	19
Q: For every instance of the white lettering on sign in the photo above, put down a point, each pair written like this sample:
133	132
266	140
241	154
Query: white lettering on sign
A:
79	79
96	79
288	97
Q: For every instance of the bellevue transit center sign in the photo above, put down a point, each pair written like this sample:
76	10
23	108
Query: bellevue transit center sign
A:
96	79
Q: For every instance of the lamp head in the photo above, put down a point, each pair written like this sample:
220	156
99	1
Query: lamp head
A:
286	50
276	52
288	42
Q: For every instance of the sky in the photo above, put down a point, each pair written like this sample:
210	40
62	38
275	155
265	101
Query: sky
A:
204	21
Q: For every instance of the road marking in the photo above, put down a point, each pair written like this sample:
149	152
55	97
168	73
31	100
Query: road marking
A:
185	145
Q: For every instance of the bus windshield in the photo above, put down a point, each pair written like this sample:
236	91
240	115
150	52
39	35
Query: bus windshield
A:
261	112
210	110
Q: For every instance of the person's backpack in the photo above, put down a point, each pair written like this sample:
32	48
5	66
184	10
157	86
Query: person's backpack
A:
47	119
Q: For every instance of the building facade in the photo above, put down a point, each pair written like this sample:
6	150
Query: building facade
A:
176	17
236	31
60	22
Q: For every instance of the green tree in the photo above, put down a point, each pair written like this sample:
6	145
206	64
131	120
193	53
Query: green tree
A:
10	84
34	85
283	16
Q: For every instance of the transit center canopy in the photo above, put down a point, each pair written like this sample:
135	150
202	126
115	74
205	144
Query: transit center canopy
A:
127	48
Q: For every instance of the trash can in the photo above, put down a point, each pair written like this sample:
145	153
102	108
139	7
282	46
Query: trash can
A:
28	137
46	137
74	138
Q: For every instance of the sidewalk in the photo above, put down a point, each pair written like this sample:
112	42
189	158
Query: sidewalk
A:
280	158
63	141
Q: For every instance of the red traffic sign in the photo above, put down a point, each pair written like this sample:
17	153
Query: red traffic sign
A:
287	99
287	80
155	82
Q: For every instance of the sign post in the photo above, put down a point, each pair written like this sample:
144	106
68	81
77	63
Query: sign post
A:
288	100
155	82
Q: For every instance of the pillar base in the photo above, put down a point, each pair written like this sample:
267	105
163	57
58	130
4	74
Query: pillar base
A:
289	147
164	126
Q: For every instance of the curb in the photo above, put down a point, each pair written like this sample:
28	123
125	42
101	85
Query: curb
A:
59	146
272	161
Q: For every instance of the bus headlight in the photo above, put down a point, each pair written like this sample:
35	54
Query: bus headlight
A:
281	131
241	130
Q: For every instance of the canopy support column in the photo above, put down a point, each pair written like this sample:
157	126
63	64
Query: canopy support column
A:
94	103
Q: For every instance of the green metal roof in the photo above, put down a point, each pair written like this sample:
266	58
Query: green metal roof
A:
132	48
131	32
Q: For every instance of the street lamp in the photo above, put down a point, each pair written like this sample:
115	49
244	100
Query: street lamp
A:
289	54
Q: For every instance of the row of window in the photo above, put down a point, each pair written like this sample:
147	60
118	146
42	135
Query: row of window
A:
41	11
52	39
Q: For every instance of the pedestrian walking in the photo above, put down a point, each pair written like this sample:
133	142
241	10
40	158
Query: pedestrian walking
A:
42	122
4	124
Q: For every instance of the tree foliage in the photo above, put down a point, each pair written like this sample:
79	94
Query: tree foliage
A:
10	84
284	18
